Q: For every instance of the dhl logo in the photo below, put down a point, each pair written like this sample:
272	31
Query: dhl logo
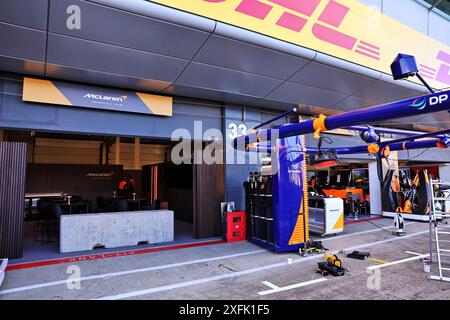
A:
326	28
442	74
347	29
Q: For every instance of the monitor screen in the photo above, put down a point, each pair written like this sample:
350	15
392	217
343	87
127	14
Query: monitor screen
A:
359	175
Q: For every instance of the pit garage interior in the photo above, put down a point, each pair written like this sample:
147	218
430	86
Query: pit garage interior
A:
89	170
218	74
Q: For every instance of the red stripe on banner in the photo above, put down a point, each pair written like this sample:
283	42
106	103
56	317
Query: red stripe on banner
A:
369	45
366	54
42	263
363	220
424	71
427	76
377	53
427	67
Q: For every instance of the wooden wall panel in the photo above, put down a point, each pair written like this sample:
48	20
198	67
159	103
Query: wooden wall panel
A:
149	154
13	158
179	197
22	136
87	181
66	151
209	192
194	192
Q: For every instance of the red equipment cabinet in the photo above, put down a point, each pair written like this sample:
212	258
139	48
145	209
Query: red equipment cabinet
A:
236	226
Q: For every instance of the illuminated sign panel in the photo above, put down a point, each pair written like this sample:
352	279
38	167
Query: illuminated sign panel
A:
77	95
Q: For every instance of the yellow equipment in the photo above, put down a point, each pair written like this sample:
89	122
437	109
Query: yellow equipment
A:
333	259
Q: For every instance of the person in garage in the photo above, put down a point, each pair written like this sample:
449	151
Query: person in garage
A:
123	187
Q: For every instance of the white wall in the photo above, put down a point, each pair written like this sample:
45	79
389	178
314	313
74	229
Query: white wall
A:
415	15
444	173
375	189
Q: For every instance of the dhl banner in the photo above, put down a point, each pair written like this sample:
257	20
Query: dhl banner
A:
346	29
69	94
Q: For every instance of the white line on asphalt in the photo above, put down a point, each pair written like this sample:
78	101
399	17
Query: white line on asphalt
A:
276	289
121	273
414	253
384	241
379	266
244	272
271	285
191	283
362	232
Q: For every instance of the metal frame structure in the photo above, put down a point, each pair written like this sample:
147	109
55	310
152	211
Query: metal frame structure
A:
286	145
430	103
436	232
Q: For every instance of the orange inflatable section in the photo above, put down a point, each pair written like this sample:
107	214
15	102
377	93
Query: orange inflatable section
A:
342	193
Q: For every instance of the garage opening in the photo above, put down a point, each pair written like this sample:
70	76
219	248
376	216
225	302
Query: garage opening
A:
348	181
95	177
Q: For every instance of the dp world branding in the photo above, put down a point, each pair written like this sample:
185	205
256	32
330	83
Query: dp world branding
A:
421	103
103	99
438	99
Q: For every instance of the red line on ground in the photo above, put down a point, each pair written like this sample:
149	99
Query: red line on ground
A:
363	220
41	263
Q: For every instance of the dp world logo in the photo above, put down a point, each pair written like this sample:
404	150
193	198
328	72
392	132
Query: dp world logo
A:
419	103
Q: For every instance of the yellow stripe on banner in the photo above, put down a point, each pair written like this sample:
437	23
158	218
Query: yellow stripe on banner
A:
43	91
159	105
339	223
298	236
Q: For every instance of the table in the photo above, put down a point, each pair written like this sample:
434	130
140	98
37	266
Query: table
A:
31	196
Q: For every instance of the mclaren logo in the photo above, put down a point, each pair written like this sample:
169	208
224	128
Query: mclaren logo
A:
104	98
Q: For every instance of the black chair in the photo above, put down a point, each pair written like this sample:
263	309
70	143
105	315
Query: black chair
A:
103	205
121	205
80	207
76	198
42	216
154	206
133	205
54	212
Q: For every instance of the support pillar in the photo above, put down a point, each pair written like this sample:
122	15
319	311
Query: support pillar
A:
137	153
104	153
117	151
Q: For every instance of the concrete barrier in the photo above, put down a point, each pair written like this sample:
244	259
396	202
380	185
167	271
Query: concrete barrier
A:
82	232
3	265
